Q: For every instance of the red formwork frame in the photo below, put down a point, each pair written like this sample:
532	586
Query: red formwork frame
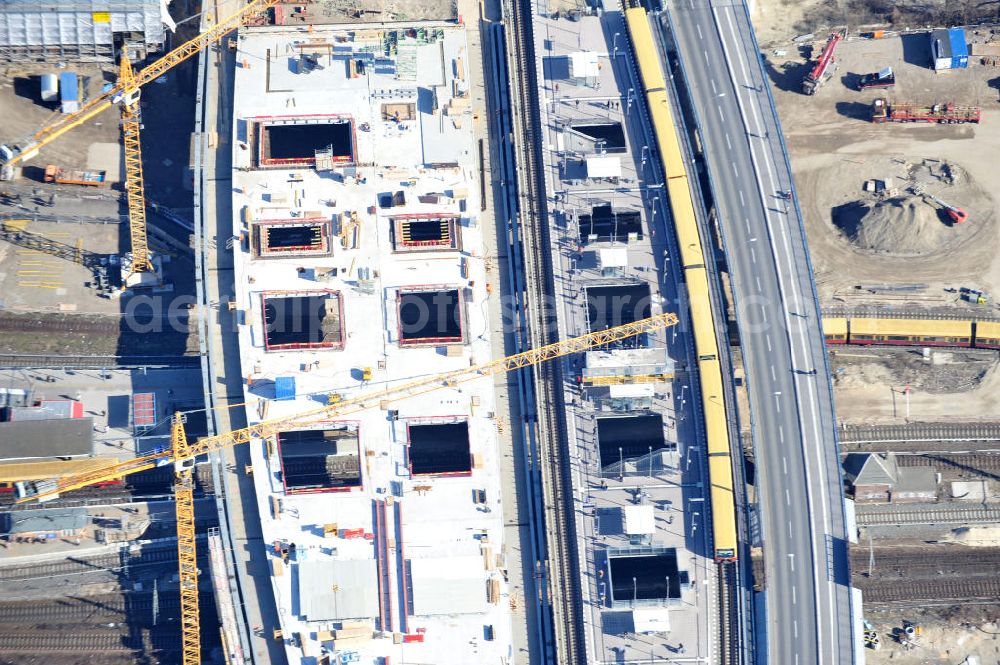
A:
430	341
450	216
338	346
262	121
438	420
323	490
296	221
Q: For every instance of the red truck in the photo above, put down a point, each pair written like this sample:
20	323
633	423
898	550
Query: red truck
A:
75	177
947	113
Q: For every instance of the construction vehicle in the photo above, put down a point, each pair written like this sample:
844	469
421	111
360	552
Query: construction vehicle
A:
824	68
62	176
182	453
883	78
947	113
955	214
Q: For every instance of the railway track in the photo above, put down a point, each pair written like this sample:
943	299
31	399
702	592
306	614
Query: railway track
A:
912	432
90	641
81	565
932	592
22	361
947	463
937	314
562	573
64	324
729	619
922	515
93	610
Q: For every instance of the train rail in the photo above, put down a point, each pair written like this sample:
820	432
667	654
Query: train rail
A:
25	361
911	432
93	610
923	515
977	590
941	314
562	575
107	562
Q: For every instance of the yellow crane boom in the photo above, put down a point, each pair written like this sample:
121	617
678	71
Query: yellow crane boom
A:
267	428
183	453
104	101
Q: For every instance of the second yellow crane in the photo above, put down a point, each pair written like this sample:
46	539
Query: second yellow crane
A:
182	453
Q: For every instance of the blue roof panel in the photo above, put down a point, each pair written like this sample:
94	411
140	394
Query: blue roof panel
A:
68	88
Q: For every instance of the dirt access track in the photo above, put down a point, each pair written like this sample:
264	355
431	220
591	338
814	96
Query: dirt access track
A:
834	148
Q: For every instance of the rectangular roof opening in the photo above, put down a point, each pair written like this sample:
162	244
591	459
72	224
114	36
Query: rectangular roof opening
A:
303	320
285	238
430	317
646	579
603	223
320	460
610	306
425	232
440	449
621	440
294	141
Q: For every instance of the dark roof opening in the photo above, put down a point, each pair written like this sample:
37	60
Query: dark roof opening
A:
440	449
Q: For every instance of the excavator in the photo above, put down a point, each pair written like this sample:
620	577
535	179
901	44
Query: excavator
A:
183	453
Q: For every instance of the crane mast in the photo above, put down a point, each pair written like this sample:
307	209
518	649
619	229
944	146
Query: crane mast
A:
135	189
187	553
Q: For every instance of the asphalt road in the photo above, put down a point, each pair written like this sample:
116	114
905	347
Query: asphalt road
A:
808	617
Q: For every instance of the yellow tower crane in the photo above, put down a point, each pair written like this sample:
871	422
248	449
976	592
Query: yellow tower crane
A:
135	188
126	93
183	453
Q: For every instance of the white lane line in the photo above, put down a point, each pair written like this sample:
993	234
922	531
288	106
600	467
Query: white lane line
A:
794	599
728	142
746	222
753	239
736	171
784	464
781	434
757	279
789	528
753	255
744	203
774	377
698	28
767	338
812	398
705	53
715	90
788	497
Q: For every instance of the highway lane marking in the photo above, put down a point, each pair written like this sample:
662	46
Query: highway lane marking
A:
757	278
736	171
753	255
788	497
781	434
812	403
794	600
715	90
774	377
767	338
718	108
698	28
744	204
784	464
728	142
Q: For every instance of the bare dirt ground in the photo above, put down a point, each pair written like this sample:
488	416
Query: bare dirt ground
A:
868	385
835	149
950	635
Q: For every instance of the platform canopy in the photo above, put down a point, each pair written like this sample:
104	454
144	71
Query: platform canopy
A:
639	520
584	64
604	167
651	620
613	257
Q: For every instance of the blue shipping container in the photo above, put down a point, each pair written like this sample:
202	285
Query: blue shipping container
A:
959	48
69	87
284	387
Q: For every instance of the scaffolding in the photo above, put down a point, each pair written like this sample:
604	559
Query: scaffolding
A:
79	30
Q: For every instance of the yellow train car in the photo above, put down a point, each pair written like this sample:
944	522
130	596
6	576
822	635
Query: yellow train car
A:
720	469
702	323
910	331
835	330
644	49
987	334
682	210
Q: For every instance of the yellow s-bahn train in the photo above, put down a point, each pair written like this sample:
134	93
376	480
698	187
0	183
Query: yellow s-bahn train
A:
692	258
912	332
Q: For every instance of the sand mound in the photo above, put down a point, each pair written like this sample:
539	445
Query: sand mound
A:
903	226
